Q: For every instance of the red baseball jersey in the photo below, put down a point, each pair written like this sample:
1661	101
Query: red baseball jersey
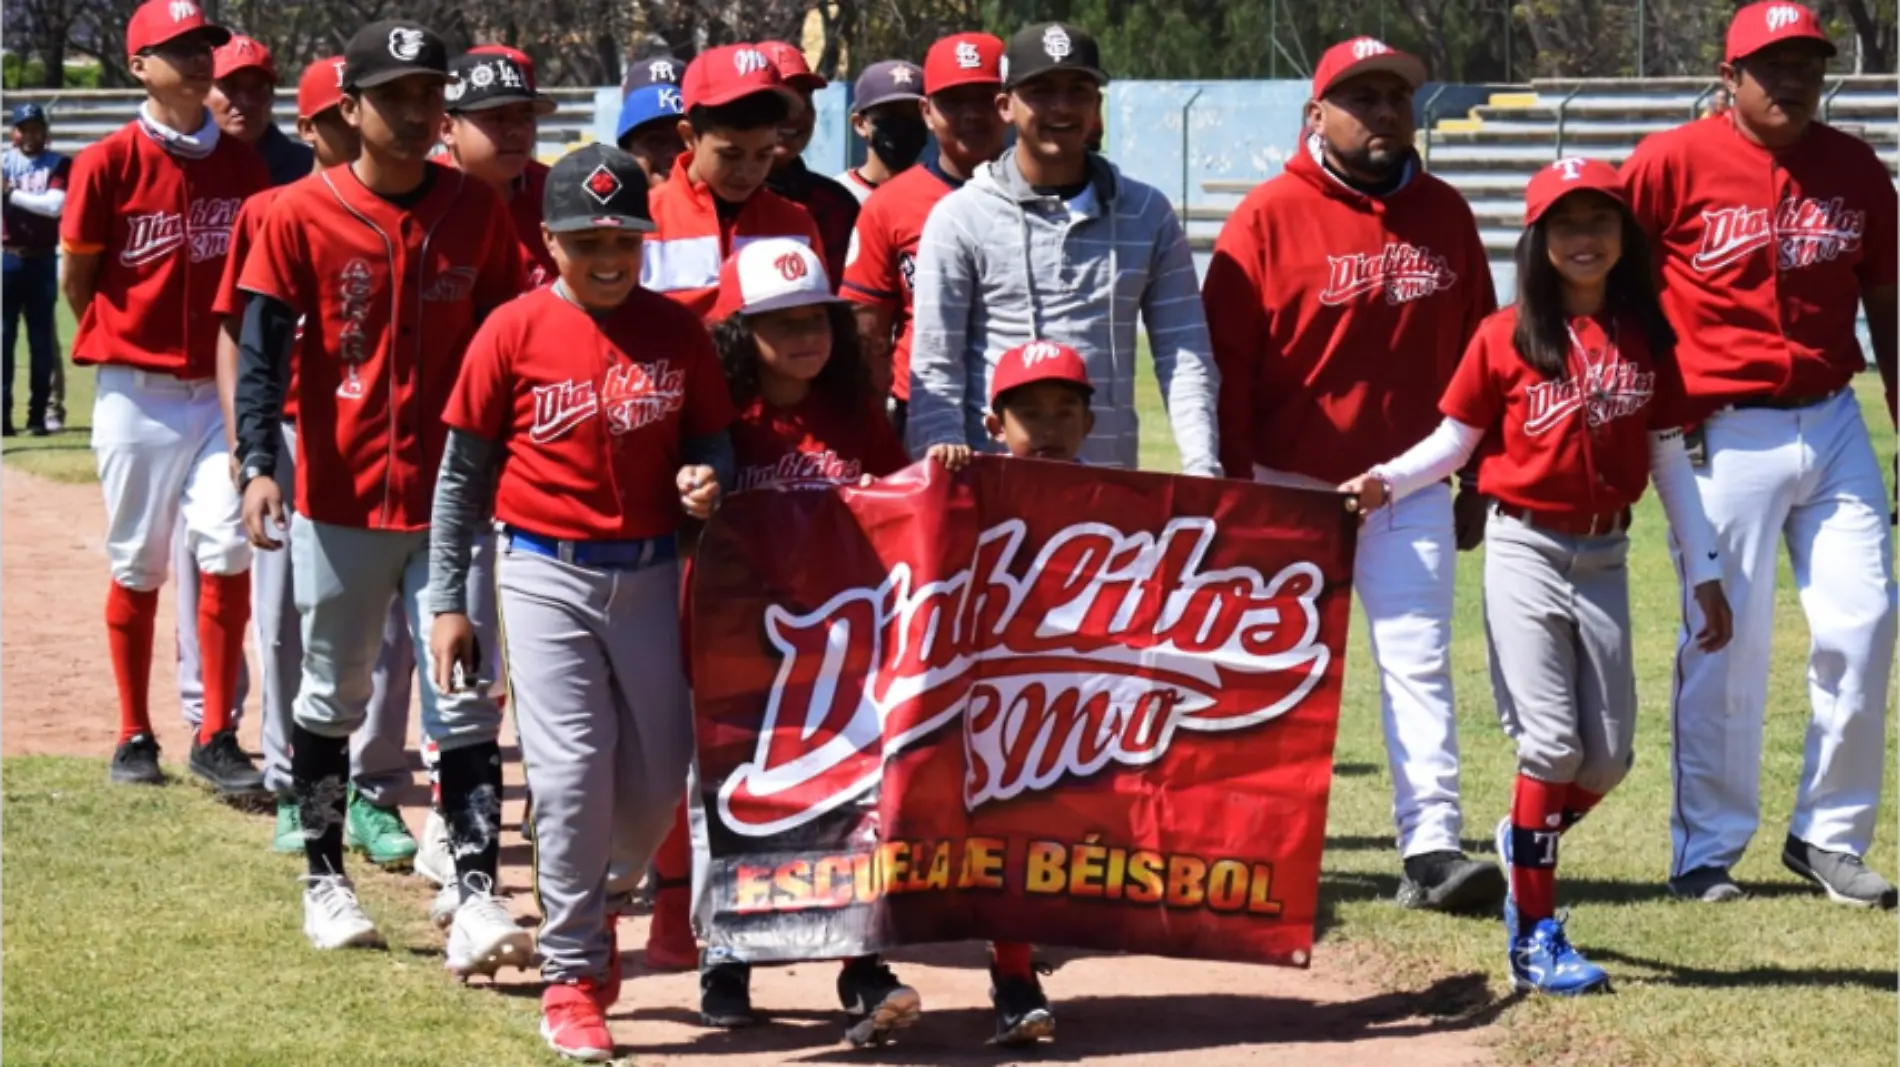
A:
815	444
1337	319
525	208
161	226
1579	444
390	298
230	301
884	259
691	240
1765	255
592	412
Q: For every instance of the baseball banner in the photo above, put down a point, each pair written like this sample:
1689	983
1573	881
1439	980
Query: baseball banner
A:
1028	701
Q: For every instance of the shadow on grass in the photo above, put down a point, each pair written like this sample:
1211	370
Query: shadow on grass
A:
1099	1027
1676	974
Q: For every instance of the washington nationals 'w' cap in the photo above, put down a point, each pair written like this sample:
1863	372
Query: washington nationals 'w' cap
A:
1757	26
381	52
963	59
772	275
596	187
158	21
1364	55
1051	46
321	87
1038	361
481	81
1567	176
239	53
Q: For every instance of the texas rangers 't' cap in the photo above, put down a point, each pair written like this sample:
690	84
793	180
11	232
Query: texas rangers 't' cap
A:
653	70
381	52
1757	26
886	81
649	103
772	275
25	113
1038	361
321	87
596	187
521	59
241	53
1566	176
792	68
724	74
478	82
963	59
158	21
1364	55
1051	46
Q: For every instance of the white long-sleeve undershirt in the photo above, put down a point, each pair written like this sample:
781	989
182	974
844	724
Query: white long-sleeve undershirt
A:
49	203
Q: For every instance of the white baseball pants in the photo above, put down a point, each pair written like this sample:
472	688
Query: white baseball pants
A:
1809	478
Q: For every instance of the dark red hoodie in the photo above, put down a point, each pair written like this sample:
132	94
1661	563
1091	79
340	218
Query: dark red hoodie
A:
1337	319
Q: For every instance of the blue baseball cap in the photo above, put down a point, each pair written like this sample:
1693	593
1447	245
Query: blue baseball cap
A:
649	103
25	113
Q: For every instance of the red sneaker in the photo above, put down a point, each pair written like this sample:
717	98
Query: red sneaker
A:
572	1022
670	944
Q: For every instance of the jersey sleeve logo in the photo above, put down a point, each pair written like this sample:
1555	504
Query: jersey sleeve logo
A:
355	285
907	269
1804	231
1403	272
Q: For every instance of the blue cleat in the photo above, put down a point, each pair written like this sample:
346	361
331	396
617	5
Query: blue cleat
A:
1546	962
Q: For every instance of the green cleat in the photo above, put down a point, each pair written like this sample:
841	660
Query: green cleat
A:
288	838
379	834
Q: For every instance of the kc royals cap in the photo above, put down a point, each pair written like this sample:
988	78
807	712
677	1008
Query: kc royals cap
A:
648	103
25	113
596	187
792	68
321	87
1051	46
963	59
158	21
1364	55
724	74
1038	361
521	59
481	81
381	52
1757	26
1567	176
653	70
772	275
240	53
886	81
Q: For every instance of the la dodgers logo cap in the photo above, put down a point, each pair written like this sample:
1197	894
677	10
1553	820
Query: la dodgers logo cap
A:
158	21
1757	26
772	275
1566	176
963	59
596	187
1364	55
1051	46
521	59
1039	361
321	87
381	52
481	80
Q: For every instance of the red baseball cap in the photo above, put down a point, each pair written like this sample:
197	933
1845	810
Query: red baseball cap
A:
1757	26
1038	361
158	21
792	68
1569	175
1364	55
240	52
963	59
772	275
321	87
520	58
724	74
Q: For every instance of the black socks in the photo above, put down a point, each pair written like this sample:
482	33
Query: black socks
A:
471	805
319	783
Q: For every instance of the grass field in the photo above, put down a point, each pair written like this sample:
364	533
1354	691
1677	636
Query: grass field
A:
117	954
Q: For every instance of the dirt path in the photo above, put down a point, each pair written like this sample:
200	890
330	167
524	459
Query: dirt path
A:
58	698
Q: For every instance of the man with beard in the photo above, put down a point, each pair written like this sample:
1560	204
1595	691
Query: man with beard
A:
884	113
1341	296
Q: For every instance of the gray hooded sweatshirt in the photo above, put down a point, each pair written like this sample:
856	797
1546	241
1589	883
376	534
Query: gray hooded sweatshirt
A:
1001	265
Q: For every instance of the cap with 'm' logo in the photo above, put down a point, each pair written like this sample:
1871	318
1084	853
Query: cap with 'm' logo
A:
772	275
1038	361
721	75
1757	26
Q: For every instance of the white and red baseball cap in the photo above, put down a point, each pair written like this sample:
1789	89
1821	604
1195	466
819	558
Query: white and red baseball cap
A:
321	87
521	59
772	275
1039	361
1757	26
1364	55
724	74
963	59
1569	175
158	21
793	70
241	53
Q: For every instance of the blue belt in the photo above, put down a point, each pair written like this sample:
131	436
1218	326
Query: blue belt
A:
601	555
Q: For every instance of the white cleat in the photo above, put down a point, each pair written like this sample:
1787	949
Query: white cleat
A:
483	938
332	916
442	909
433	860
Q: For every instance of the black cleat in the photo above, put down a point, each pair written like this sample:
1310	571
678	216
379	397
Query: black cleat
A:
135	762
1022	1010
725	995
226	766
875	1000
1452	882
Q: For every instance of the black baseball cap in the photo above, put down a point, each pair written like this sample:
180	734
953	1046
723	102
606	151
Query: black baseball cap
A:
481	80
381	52
594	187
653	70
1051	46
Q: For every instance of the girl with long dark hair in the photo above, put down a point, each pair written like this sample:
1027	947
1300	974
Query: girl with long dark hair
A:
1571	401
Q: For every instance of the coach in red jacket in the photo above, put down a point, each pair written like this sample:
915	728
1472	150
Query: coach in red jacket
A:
1341	295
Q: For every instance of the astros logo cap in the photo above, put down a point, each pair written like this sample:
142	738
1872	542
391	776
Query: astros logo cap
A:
963	59
321	87
772	275
1038	361
1566	176
1757	26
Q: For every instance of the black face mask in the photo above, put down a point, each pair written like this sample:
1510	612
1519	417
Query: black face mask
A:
899	141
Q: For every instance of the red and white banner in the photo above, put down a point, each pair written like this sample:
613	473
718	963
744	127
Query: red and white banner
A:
1029	701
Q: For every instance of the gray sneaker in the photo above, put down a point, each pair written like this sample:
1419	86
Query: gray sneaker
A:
1710	885
1842	876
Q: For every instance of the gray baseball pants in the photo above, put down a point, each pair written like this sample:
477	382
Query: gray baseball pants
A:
606	731
1557	623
